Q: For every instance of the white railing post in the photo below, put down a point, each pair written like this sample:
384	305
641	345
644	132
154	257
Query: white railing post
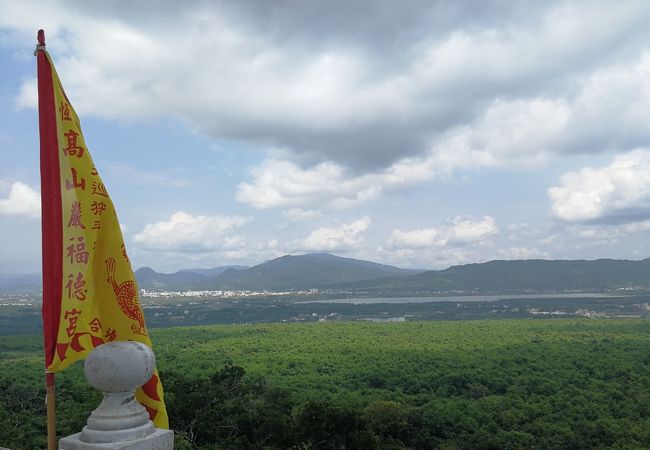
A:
119	422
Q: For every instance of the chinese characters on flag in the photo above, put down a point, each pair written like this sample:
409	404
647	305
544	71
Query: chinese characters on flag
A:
98	292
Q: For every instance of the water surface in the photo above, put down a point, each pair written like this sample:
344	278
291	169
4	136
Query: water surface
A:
459	298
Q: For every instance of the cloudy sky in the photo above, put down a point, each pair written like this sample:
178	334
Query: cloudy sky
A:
415	133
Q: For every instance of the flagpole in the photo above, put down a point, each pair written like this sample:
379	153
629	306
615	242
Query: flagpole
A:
50	399
50	225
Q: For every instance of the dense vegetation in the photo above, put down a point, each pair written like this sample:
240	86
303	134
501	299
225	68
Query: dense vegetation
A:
479	384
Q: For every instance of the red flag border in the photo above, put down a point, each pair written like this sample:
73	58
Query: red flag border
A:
51	214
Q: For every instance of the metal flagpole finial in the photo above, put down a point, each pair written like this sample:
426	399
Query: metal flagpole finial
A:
41	41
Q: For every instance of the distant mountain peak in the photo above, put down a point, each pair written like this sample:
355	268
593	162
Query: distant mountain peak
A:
311	270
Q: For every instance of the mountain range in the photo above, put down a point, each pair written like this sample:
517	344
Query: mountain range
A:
323	270
315	270
522	276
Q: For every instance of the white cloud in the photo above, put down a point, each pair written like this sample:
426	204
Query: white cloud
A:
347	237
610	110
284	184
279	183
507	132
302	215
427	237
523	253
22	201
466	230
636	227
619	192
460	231
186	233
434	258
510	85
605	233
521	132
528	130
591	240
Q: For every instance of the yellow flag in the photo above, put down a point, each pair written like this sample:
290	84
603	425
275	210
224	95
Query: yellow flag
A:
97	295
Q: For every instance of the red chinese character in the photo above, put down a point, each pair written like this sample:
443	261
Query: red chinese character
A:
97	225
72	316
75	183
110	335
94	172
99	189
65	111
98	208
76	287
75	216
126	257
77	252
95	325
73	149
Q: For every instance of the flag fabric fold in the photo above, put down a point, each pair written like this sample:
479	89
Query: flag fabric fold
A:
90	295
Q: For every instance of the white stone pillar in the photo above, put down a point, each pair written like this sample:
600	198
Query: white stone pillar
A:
119	422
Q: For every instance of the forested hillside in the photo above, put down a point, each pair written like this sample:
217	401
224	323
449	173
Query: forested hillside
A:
509	384
329	271
524	275
286	272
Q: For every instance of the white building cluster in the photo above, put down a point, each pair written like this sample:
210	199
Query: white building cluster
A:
221	293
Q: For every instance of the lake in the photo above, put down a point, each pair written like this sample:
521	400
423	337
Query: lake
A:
459	298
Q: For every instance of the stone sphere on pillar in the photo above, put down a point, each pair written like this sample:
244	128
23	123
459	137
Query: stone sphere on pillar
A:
120	366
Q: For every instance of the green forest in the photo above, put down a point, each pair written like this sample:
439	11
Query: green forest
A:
493	384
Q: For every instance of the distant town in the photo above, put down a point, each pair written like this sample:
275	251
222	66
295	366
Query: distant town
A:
223	293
